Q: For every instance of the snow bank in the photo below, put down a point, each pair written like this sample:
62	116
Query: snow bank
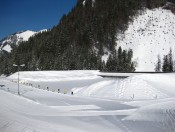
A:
55	75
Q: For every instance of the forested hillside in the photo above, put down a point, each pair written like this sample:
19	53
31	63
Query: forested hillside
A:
81	39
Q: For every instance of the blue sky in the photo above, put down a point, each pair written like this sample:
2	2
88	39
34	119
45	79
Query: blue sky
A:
18	15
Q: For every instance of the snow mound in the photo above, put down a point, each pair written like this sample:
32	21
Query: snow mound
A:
151	33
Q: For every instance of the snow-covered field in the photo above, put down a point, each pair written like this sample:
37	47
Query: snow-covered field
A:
140	103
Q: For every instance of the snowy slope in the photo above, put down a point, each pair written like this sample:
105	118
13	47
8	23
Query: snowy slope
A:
24	36
151	33
138	87
14	39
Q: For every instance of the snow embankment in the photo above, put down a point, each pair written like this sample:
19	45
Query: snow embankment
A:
151	33
139	87
49	76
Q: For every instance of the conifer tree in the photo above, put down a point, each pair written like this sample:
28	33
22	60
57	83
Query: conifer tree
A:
168	62
158	65
170	59
165	67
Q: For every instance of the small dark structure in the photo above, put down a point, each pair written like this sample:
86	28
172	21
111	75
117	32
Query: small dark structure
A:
124	75
72	93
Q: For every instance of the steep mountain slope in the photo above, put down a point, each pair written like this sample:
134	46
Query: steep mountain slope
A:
12	40
151	33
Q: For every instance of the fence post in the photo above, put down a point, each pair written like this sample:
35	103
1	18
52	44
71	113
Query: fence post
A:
65	91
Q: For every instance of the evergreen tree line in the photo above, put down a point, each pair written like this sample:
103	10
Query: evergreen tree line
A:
80	39
120	61
166	65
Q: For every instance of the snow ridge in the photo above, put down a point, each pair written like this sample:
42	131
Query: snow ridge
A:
24	36
7	43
